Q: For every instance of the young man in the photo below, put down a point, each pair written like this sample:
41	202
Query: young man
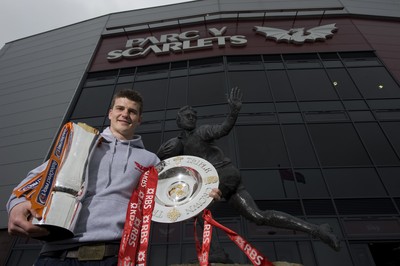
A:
112	175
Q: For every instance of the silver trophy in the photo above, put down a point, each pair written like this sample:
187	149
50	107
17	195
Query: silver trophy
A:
184	184
60	213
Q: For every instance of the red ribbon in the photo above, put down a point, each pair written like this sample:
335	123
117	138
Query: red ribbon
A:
135	237
255	256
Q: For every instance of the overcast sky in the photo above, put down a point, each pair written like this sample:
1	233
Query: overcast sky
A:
23	18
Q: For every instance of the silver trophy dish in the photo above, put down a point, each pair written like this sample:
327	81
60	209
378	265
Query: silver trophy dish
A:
184	184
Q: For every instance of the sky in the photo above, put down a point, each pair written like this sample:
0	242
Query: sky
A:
23	18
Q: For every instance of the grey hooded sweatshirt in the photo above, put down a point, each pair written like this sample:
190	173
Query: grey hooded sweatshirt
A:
111	176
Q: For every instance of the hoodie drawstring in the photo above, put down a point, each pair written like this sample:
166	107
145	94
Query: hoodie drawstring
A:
128	153
113	149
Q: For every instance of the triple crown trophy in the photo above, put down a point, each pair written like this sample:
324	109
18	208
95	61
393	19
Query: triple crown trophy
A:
55	192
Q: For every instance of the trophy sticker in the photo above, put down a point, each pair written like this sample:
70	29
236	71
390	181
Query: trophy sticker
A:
184	185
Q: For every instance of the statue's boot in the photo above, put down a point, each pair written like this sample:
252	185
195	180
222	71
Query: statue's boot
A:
325	233
219	256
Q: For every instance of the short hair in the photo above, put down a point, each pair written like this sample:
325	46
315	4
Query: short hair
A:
131	95
186	108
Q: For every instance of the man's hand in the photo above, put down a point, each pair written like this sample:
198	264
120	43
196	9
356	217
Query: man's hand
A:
235	99
216	194
20	221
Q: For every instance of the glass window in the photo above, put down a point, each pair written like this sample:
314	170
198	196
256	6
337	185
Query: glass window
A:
152	141
343	84
168	254
312	84
338	145
275	184
311	185
386	115
280	85
101	78
376	143
362	255
321	106
165	232
287	251
287	118
124	86
292	207
359	116
261	146
355	105
354	182
390	177
372	227
253	85
151	72
326	116
273	62
392	129
365	206
177	93
385	104
284	107
375	82
301	152
93	101
256	118
207	89
249	62
319	207
302	61
206	65
154	93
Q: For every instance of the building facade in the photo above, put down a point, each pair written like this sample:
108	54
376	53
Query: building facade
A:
317	136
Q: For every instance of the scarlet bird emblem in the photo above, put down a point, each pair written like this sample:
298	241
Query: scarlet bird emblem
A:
298	35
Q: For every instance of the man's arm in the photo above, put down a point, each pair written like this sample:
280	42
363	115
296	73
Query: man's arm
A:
20	213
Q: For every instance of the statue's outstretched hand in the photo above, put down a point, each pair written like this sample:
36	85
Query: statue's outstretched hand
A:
235	99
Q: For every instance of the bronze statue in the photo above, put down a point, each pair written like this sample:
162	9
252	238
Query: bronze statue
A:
199	141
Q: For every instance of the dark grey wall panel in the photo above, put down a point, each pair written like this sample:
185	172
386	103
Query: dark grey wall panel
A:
385	8
211	6
39	76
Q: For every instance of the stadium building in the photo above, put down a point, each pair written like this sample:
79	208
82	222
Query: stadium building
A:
318	135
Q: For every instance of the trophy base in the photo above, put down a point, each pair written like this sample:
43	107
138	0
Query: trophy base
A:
56	233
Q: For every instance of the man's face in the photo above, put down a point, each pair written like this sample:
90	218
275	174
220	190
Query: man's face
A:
124	118
188	120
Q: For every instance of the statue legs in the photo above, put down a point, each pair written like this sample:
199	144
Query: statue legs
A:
245	205
217	253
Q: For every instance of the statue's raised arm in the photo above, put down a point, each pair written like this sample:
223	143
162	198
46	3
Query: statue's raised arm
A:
235	100
235	104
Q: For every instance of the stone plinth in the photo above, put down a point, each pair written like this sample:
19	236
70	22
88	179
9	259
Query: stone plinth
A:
276	263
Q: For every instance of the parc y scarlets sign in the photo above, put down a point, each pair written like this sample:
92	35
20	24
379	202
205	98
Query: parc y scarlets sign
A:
192	40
